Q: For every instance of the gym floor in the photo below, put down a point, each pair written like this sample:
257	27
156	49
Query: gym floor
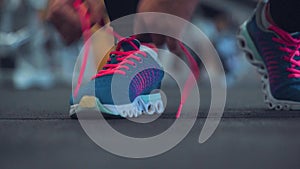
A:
36	132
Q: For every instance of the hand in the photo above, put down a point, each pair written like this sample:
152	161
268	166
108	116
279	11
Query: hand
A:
1	3
66	20
180	8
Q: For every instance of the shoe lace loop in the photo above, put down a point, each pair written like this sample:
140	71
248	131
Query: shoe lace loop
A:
292	47
124	59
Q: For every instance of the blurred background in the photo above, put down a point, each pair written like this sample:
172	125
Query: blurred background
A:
32	54
35	85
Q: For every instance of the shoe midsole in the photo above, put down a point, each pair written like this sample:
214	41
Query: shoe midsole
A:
141	103
258	61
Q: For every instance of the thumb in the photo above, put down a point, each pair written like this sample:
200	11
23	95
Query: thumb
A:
96	9
173	46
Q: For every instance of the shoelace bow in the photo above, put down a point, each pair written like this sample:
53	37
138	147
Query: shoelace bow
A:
123	57
292	47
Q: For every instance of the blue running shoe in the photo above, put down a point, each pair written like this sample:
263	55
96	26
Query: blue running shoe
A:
276	55
126	85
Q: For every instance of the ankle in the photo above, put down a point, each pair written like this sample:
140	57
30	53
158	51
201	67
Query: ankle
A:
268	15
281	16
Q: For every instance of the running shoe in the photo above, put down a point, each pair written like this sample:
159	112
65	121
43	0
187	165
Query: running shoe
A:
276	55
127	85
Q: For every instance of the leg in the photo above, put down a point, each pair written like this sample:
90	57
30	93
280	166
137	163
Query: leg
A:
117	9
285	14
275	52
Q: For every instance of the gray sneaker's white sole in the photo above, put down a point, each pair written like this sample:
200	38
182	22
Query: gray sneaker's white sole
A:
144	104
253	56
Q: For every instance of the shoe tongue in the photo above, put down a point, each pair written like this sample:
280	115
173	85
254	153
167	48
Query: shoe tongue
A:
128	46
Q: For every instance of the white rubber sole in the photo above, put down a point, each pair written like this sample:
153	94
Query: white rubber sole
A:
245	43
145	104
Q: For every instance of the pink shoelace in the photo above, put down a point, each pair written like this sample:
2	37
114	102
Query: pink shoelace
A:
291	46
115	68
123	59
85	26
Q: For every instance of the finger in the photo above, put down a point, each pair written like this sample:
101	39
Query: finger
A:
59	10
173	45
70	36
96	9
158	40
67	22
1	3
139	26
145	38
